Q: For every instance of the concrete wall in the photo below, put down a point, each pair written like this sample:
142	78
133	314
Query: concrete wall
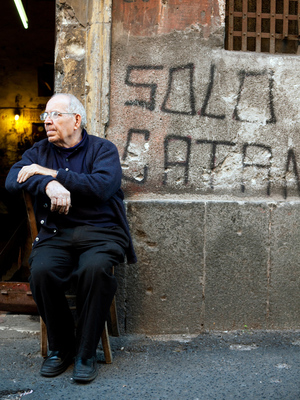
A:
208	141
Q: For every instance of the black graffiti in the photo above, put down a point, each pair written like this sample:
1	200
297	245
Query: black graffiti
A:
131	132
192	111
291	157
207	97
245	74
150	105
264	166
185	163
214	144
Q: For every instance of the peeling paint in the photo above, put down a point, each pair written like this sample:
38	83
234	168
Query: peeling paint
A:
76	51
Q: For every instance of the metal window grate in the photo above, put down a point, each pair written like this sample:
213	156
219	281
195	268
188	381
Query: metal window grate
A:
269	26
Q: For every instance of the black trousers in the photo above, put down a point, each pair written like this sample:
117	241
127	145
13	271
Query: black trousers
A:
84	255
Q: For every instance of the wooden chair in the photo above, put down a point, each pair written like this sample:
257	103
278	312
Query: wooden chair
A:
43	330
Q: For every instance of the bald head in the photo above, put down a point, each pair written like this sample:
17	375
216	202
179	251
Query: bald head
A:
63	128
73	106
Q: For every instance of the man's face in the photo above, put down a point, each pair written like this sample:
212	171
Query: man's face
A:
60	131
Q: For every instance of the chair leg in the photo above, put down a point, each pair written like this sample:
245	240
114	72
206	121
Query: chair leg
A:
43	338
106	345
114	319
104	337
114	315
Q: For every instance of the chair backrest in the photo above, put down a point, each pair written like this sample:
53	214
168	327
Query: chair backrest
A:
30	215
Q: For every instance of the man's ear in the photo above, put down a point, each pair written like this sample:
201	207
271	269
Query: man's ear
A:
77	121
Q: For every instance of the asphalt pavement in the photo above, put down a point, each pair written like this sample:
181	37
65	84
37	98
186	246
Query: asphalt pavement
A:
247	365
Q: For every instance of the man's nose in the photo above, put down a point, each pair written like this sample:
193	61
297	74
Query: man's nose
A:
48	119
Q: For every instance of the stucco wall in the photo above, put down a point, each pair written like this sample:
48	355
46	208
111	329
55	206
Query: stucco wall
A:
208	141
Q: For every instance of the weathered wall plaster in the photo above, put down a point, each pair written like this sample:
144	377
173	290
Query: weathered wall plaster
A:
82	57
209	145
190	117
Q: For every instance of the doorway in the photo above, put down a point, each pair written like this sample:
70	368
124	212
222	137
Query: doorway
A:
27	82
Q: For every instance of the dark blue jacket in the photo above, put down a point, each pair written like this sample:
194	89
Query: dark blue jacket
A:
100	181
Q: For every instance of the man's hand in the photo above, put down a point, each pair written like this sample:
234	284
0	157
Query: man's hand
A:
60	197
34	169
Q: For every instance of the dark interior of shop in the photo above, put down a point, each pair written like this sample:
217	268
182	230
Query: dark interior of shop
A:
27	82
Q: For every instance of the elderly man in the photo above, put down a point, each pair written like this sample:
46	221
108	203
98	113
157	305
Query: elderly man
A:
75	179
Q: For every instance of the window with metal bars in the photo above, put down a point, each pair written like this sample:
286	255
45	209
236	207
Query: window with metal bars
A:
269	26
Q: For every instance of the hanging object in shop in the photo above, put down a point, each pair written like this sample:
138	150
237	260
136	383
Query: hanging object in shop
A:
17	113
22	13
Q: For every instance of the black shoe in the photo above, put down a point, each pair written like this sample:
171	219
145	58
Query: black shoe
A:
56	363
85	370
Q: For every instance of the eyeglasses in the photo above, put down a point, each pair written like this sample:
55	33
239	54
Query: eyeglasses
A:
52	115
